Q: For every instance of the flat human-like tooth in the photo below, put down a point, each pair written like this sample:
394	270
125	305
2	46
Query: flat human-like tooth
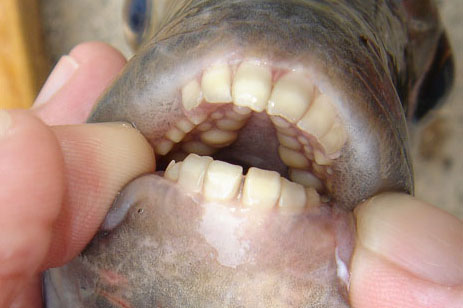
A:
334	139
163	147
319	118
293	197
244	111
291	96
321	158
232	115
204	126
313	198
261	188
308	149
303	140
175	134
222	181
229	124
289	142
191	95
197	118
280	122
252	85
185	126
217	137
217	115
293	158
288	131
172	171
192	172
197	147
216	84
305	178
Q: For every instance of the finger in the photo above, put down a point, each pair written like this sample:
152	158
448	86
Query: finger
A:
32	181
56	187
76	82
30	295
408	254
99	160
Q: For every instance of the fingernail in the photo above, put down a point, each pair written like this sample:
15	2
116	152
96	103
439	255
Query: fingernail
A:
5	122
413	235
63	71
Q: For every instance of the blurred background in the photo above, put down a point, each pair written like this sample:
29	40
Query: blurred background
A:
34	34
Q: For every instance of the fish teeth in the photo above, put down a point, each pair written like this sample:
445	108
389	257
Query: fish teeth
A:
216	84
175	134
291	96
334	139
252	85
293	158
292	198
319	118
222	181
313	198
321	158
288	141
163	147
192	172
230	124
261	188
305	178
173	171
217	137
191	95
185	126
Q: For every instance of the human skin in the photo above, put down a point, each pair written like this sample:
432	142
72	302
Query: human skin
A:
407	253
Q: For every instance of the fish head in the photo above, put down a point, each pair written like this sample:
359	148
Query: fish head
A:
271	120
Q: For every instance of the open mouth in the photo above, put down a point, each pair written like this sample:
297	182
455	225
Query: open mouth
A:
274	123
244	207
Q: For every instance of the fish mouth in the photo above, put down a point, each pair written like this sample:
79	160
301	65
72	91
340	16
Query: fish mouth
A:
283	119
246	85
274	123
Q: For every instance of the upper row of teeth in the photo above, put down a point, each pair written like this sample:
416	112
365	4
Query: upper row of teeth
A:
259	189
293	97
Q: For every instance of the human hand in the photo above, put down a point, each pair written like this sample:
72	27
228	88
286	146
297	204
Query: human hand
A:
58	182
408	254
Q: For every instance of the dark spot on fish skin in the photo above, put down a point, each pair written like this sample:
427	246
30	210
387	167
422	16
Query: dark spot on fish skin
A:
448	163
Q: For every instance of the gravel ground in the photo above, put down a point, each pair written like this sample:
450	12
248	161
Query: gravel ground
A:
437	146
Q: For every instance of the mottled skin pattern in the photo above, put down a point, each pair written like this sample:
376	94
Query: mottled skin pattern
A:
382	61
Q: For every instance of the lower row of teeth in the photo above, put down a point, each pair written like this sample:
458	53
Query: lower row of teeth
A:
223	182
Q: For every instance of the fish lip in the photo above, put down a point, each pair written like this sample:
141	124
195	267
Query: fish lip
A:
136	114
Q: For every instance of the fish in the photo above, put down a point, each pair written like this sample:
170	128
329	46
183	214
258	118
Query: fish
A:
271	120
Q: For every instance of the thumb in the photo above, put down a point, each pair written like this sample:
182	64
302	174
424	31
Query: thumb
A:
408	254
56	185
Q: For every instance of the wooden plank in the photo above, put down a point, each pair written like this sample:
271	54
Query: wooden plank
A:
23	64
